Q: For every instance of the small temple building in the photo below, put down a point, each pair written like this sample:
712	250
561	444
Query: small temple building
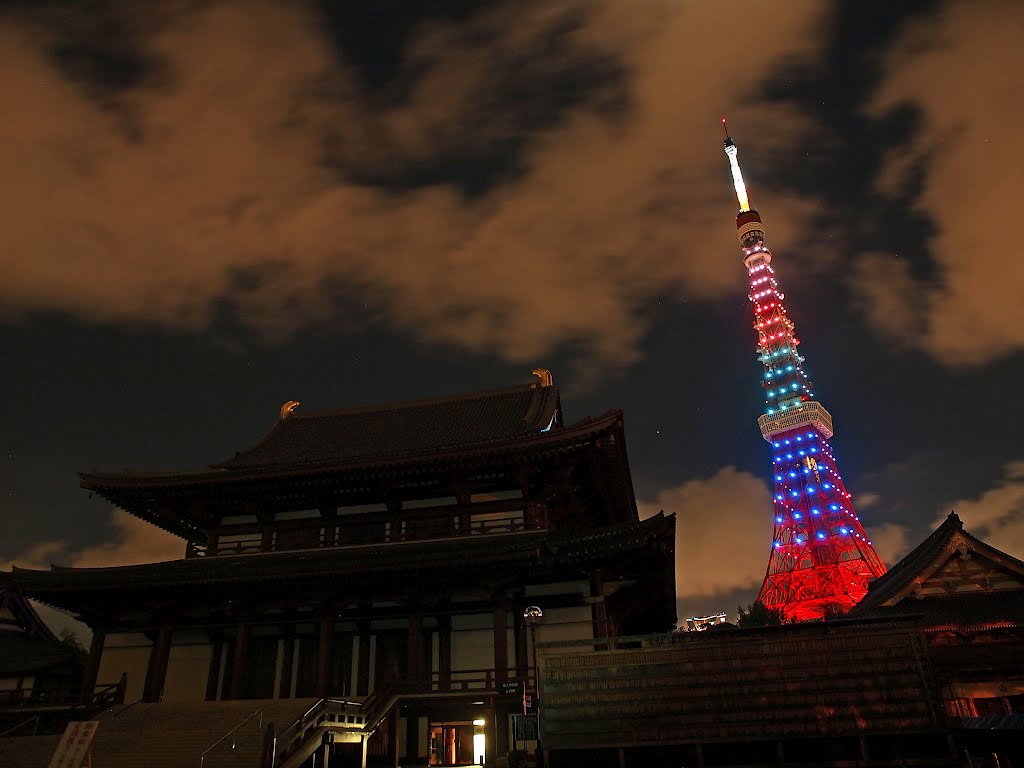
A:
968	597
378	561
35	666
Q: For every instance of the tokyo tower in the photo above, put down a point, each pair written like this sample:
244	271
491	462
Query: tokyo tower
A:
821	560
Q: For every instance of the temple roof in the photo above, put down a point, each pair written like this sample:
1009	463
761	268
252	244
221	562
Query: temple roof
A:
403	429
358	436
950	577
963	611
536	550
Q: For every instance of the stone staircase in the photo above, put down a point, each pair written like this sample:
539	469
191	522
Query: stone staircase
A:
176	735
27	751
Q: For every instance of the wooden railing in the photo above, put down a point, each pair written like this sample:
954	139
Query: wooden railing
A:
326	714
101	697
301	534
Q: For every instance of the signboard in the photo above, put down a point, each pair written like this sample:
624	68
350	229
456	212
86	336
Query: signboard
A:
524	727
73	750
509	687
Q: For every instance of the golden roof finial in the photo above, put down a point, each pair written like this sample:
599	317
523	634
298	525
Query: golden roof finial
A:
546	379
288	408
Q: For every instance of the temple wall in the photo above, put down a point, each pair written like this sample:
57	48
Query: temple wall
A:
473	642
188	667
125	653
574	623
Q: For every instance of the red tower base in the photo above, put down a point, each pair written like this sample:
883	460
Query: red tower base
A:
821	559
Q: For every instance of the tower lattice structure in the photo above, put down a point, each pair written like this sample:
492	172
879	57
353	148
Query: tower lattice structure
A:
821	559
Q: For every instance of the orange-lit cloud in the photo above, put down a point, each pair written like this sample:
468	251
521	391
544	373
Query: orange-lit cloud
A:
997	515
891	541
723	532
131	541
207	186
961	70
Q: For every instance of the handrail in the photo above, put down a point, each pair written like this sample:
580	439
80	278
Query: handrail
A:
122	711
202	757
35	720
301	718
315	716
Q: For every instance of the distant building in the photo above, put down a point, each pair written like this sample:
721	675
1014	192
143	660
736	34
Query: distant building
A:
370	568
703	623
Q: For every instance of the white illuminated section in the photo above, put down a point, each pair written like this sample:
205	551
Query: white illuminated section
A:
737	177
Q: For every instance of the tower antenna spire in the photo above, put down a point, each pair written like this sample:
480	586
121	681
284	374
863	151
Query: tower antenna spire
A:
734	165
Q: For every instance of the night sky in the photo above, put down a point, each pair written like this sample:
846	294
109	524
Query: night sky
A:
209	208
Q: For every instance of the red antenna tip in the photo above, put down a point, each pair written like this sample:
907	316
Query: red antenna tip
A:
725	127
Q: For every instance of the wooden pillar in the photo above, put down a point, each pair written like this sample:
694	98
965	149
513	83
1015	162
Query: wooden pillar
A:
213	677
501	740
238	666
444	652
464	502
363	739
363	673
491	749
288	654
500	640
396	731
212	542
412	737
414	649
92	665
156	673
323	656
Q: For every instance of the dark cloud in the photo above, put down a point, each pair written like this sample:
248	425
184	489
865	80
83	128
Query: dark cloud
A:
509	87
229	177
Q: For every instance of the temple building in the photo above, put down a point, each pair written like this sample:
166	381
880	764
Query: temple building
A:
968	597
372	567
34	664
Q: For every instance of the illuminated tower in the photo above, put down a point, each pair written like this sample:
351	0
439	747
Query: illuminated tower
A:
821	559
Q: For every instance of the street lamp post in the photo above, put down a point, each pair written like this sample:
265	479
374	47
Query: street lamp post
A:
533	616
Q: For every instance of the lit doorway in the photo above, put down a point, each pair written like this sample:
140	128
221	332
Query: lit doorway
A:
456	743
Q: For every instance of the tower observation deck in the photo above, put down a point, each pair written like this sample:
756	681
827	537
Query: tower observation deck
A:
821	559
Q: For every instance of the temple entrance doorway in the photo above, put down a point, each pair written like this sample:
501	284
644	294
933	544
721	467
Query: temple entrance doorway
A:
453	744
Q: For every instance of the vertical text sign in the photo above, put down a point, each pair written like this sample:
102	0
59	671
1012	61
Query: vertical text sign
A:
74	744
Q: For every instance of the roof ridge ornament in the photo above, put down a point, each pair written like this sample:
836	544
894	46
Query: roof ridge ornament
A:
545	376
287	409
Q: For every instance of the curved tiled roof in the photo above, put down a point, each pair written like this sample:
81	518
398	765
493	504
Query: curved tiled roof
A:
403	429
